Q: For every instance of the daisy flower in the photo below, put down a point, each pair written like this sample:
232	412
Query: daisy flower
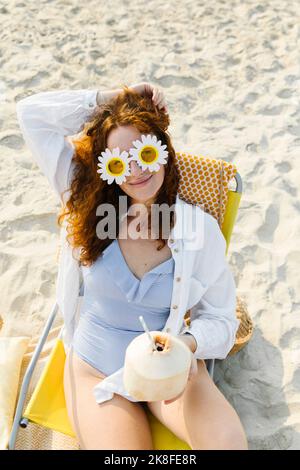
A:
113	166
149	153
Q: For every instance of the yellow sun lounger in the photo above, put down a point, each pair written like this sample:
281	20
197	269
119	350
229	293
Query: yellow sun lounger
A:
202	181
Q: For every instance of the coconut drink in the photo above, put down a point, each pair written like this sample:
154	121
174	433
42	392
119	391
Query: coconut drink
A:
156	366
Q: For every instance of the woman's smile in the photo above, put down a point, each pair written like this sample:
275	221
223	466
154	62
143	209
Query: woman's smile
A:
141	182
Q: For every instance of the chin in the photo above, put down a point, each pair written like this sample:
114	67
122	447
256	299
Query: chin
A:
142	194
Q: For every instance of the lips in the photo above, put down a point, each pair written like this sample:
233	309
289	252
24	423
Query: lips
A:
137	183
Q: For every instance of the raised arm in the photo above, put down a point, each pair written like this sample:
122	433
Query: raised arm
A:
213	319
46	119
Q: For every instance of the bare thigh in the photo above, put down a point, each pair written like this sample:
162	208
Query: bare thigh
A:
115	424
202	416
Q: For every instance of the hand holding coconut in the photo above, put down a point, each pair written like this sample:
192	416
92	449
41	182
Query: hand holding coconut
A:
157	366
192	373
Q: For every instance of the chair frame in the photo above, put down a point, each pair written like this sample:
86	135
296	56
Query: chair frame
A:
21	421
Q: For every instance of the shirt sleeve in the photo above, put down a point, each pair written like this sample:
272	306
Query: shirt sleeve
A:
45	120
213	321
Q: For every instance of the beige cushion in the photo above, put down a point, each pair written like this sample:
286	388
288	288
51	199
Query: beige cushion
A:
12	350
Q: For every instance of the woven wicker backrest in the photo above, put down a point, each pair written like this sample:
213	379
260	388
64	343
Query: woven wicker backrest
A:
204	181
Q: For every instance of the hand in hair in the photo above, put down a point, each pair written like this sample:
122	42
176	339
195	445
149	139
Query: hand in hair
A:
158	97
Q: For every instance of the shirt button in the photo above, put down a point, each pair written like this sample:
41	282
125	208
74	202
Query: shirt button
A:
171	240
178	279
176	250
175	306
91	105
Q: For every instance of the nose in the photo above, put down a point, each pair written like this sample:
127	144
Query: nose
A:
135	169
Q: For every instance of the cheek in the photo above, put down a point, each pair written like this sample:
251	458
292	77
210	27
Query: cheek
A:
160	176
125	188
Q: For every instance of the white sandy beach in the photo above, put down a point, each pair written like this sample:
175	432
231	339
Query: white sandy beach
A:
230	72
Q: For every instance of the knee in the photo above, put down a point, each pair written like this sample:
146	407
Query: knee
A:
229	438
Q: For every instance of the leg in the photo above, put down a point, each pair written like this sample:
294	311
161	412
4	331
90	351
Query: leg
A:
115	424
202	416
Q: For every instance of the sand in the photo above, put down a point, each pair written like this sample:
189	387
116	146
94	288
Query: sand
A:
230	73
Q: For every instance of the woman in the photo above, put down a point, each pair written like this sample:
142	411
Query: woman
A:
125	276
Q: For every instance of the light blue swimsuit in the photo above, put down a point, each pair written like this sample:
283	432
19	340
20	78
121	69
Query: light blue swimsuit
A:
113	300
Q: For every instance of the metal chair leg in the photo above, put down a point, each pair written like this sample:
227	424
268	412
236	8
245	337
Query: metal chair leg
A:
18	421
210	363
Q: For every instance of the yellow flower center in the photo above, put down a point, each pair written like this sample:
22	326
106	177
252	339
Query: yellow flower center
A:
149	154
115	166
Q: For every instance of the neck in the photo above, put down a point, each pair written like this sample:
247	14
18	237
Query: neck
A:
145	203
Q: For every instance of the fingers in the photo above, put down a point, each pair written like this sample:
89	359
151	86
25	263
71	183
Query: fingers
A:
159	99
156	96
193	368
192	373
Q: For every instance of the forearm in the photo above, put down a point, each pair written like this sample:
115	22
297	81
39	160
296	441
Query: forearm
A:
62	112
104	96
215	337
45	120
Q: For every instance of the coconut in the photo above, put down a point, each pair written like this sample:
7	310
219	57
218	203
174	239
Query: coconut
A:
156	374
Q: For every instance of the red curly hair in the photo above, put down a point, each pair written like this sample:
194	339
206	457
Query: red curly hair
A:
88	190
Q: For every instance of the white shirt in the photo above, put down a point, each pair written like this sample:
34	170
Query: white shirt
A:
203	281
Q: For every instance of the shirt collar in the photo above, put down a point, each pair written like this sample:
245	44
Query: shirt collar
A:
189	224
178	230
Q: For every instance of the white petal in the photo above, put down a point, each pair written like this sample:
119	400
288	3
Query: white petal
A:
150	138
124	155
104	176
155	167
134	154
144	166
106	159
120	179
134	143
107	153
